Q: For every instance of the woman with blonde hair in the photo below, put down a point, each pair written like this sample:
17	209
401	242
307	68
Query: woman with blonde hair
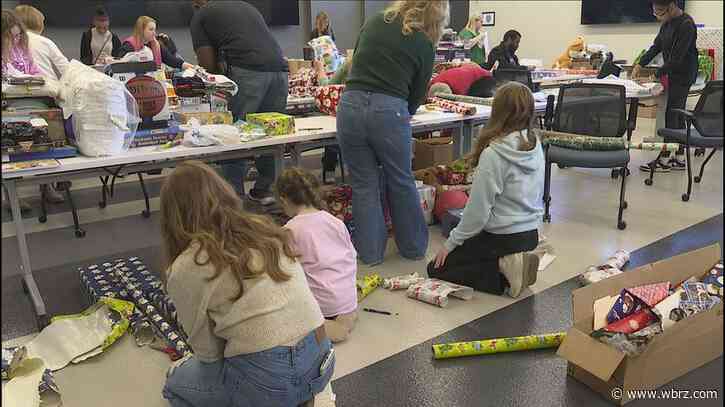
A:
489	249
322	26
50	60
144	35
474	39
242	298
392	65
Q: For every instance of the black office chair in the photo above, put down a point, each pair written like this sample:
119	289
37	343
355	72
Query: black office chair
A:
592	110
514	75
708	122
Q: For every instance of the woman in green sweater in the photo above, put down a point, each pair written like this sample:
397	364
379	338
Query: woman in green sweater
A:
393	63
473	38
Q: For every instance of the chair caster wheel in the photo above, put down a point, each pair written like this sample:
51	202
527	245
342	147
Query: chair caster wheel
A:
42	321
622	225
42	219
648	182
145	213
547	218
697	180
625	205
615	174
561	167
80	233
685	197
101	204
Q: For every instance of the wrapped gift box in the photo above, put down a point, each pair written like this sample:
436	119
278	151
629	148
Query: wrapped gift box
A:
275	124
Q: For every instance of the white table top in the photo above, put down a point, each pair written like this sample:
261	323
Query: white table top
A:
325	127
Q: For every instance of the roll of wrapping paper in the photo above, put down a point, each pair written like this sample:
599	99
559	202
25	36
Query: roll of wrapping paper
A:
451	106
671	147
500	345
466	99
367	284
594	143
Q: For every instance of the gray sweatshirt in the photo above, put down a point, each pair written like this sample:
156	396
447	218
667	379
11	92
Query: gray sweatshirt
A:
507	191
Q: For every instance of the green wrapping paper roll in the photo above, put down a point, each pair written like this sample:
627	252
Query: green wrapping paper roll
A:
466	99
500	345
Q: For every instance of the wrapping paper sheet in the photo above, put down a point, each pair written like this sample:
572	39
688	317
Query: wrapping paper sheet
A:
24	389
402	282
611	267
489	346
630	344
367	285
714	281
436	292
454	107
668	310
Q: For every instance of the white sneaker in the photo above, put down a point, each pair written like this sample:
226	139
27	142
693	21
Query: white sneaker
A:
512	267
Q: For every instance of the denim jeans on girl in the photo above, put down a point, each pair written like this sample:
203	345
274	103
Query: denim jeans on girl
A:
279	377
374	131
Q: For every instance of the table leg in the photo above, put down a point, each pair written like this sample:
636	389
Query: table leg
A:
661	113
459	135
279	161
468	130
28	280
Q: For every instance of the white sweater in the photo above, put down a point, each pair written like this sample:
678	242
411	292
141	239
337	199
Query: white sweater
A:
46	55
269	314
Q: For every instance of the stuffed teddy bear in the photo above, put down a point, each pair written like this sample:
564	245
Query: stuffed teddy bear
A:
564	60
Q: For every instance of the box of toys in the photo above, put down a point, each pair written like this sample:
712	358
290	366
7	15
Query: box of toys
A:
628	329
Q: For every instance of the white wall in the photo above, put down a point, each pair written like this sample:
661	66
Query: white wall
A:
548	26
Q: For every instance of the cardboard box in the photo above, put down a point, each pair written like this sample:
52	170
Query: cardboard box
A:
207	117
433	151
275	124
695	341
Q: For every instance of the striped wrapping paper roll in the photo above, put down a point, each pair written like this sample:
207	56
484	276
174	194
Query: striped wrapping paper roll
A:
671	147
490	346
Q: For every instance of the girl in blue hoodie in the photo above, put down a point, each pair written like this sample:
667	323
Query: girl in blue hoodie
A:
489	249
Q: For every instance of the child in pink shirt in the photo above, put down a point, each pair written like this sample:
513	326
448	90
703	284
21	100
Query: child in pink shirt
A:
327	254
16	57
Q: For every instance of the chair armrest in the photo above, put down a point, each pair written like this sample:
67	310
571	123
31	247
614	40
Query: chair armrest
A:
686	113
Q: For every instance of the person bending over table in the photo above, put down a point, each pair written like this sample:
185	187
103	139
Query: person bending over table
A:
389	80
460	79
505	53
490	248
99	43
235	33
144	35
473	38
242	297
676	41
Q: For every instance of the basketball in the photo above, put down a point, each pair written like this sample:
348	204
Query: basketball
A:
150	95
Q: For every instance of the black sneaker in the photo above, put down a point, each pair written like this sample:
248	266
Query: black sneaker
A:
659	166
676	165
262	197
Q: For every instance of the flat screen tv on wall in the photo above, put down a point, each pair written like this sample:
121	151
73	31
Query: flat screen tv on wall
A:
619	11
169	13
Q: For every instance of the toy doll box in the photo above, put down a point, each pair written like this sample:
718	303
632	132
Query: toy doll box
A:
275	124
687	345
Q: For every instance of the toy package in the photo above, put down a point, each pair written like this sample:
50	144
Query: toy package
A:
275	124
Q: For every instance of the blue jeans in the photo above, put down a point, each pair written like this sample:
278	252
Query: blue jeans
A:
278	377
258	92
374	131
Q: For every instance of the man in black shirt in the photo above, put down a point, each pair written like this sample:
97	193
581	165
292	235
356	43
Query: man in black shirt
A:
676	41
505	52
232	37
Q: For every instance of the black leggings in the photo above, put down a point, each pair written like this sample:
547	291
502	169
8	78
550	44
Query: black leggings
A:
475	262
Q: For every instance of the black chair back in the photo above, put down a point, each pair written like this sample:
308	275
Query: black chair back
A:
708	111
523	76
591	110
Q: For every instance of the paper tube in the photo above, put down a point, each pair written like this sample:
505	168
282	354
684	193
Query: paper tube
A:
490	346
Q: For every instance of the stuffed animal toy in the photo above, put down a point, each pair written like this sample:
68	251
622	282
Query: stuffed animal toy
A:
564	60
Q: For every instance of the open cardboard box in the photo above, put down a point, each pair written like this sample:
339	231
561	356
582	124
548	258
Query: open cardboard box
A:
689	344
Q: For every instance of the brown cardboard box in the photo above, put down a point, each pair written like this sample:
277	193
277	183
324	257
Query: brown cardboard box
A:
647	112
297	64
433	151
608	371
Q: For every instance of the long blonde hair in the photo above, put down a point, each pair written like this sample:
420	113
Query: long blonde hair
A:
471	26
10	20
319	19
512	110
198	206
427	16
33	19
139	28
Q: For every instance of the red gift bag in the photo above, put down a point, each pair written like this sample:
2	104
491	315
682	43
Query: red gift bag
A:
327	98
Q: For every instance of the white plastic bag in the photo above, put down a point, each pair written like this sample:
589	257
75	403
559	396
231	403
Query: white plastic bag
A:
105	114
